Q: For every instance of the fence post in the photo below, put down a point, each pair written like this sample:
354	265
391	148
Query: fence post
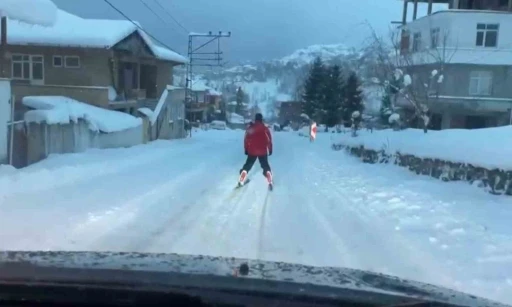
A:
11	141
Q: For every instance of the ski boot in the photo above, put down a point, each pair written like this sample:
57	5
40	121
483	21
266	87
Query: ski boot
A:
268	175
241	180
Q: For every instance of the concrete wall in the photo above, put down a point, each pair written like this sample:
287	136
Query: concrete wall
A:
44	139
5	117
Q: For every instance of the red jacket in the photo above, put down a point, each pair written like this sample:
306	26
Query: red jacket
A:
258	140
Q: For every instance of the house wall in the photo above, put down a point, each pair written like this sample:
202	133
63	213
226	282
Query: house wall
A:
97	96
164	77
459	30
457	78
93	71
5	116
88	83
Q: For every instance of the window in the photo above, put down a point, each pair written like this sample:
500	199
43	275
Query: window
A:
27	67
434	38
57	61
487	35
480	83
416	41
72	61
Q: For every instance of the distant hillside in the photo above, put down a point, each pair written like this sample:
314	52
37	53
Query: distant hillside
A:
269	82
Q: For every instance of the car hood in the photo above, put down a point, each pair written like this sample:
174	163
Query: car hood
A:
48	266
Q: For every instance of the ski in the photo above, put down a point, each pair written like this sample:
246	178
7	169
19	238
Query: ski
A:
240	185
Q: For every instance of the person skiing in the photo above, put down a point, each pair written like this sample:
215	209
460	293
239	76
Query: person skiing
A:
257	145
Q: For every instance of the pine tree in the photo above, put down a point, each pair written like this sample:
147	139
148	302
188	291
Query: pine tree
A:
332	102
353	98
311	99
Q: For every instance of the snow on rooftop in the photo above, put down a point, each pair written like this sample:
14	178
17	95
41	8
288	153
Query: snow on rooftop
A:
33	12
214	92
283	97
72	31
199	85
63	110
478	147
174	87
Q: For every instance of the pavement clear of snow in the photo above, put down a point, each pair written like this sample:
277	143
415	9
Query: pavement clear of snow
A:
327	209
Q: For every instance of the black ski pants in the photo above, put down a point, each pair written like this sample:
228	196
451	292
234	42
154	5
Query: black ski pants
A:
250	162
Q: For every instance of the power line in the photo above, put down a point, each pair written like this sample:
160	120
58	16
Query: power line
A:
139	27
172	17
158	16
152	11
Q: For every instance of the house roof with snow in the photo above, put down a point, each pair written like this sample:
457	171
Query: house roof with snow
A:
72	31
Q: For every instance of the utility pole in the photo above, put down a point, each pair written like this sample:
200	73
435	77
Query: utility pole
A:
197	58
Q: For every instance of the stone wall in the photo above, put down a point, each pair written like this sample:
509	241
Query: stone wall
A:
495	181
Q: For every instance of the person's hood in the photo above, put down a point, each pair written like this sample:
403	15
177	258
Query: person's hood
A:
215	272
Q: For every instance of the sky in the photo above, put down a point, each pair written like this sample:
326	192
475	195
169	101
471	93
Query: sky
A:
261	29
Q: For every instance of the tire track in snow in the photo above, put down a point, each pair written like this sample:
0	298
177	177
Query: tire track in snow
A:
188	218
143	219
415	264
177	226
261	230
225	227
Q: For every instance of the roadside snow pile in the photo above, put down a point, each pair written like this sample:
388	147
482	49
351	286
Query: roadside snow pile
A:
490	147
34	12
63	110
234	118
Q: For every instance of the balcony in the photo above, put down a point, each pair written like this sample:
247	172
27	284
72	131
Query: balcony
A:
460	37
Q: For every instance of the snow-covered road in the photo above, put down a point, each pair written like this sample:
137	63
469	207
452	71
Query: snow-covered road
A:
327	209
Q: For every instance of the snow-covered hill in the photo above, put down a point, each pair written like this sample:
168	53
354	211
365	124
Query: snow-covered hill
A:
307	55
267	83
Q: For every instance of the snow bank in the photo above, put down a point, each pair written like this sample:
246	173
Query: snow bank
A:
490	148
72	31
63	110
41	12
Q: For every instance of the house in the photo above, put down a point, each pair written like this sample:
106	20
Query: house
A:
289	112
108	63
204	102
467	44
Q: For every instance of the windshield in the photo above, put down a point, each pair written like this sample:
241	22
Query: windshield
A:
372	135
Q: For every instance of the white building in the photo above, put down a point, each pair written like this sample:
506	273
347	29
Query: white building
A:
468	43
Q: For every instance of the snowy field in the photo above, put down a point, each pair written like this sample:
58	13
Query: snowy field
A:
327	209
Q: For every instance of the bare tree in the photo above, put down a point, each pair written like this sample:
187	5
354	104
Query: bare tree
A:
404	71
